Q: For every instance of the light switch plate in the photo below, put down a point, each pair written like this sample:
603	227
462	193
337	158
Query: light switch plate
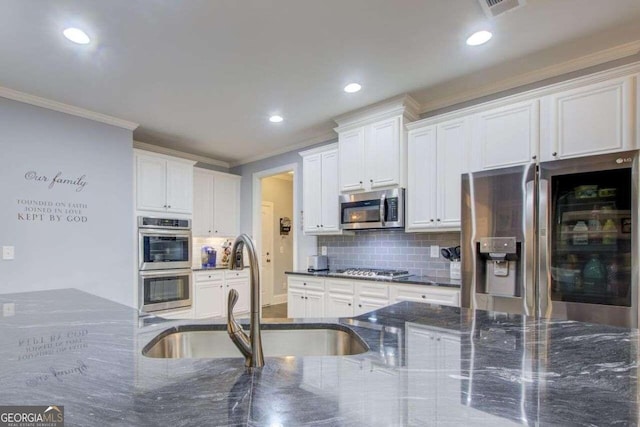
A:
323	250
8	252
435	251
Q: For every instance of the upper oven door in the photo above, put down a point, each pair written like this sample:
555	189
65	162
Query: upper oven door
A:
375	209
164	249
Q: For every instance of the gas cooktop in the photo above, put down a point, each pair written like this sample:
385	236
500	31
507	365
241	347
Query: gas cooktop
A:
374	273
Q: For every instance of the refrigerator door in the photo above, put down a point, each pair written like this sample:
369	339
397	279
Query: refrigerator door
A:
588	239
498	240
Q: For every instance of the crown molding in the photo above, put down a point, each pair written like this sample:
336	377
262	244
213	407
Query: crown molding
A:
576	64
317	150
175	153
324	137
398	105
15	95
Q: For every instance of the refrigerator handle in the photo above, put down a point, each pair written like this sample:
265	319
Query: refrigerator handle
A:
544	297
529	255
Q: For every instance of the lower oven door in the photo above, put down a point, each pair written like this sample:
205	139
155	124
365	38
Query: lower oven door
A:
164	289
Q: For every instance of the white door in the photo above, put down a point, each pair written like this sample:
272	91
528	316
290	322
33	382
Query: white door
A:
266	253
589	120
330	209
314	302
179	187
421	183
451	164
151	181
311	190
351	149
295	303
382	155
202	204
226	205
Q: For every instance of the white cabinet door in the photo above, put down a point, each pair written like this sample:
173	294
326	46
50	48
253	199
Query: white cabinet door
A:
589	120
208	299
422	176
314	301
382	154
506	136
367	304
244	297
202	204
351	155
226	205
312	190
422	363
339	305
151	183
450	164
179	187
330	209
426	294
295	303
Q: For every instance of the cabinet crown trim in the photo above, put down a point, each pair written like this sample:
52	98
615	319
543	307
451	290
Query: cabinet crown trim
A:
318	150
400	105
163	156
216	173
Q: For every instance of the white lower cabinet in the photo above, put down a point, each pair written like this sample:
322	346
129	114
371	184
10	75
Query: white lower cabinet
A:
211	291
306	297
331	297
426	294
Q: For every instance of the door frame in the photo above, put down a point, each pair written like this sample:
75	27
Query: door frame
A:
257	208
268	205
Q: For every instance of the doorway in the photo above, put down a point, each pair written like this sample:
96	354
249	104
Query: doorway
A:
276	240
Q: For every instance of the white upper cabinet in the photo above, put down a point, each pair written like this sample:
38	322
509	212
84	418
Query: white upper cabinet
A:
436	159
216	204
320	190
372	146
593	119
163	183
351	147
506	136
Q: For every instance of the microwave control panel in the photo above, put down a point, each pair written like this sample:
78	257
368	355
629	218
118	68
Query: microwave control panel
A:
392	209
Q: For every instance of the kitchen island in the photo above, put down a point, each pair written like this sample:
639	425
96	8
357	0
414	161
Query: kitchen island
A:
427	365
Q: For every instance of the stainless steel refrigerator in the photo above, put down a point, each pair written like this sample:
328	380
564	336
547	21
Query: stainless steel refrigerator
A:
557	240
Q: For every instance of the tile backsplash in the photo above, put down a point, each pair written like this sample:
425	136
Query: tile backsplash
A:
390	249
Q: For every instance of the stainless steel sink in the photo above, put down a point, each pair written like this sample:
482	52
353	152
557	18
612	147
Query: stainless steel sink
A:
188	343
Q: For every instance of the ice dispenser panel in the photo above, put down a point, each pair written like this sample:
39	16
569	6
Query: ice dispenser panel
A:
501	258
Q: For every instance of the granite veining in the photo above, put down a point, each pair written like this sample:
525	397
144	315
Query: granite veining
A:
409	280
427	365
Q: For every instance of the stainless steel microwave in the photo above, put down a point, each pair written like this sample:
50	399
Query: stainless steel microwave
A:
372	210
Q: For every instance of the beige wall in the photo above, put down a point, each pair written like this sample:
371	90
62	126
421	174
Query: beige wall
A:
280	193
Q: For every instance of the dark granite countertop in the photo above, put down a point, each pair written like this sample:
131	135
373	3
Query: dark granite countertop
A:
217	267
411	280
426	366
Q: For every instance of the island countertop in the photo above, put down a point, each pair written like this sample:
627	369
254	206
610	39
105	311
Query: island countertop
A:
427	365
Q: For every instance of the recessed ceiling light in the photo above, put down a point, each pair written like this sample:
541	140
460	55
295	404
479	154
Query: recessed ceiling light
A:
352	88
275	119
76	35
479	37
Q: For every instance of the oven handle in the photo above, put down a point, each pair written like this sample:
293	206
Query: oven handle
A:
165	273
160	232
383	209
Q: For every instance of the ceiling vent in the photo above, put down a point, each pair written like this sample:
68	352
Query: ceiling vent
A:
493	8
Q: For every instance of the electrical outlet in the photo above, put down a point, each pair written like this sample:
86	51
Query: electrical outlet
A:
323	250
8	252
435	251
281	249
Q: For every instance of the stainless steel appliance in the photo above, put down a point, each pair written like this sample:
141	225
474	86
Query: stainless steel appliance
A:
558	239
317	263
164	243
372	210
374	273
164	289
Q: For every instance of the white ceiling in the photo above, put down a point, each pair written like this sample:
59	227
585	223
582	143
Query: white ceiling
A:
203	76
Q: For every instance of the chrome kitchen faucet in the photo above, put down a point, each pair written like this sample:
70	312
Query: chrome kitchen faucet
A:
250	346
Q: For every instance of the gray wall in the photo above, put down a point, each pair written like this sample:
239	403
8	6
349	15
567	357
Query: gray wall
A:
307	244
390	249
58	245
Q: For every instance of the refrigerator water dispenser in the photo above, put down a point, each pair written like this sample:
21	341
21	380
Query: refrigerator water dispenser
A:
501	256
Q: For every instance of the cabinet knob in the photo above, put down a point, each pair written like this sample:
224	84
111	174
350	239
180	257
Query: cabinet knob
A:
317	226
534	157
216	231
424	296
438	219
301	297
164	206
221	286
304	284
209	231
321	226
554	154
349	304
360	305
431	220
371	181
306	297
360	182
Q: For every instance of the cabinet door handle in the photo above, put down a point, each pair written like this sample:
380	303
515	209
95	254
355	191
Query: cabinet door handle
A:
554	154
534	157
